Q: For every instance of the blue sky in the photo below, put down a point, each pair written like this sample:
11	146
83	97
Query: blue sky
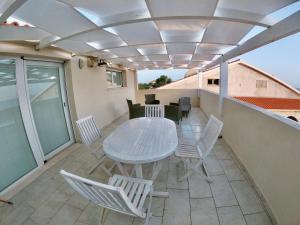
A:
280	58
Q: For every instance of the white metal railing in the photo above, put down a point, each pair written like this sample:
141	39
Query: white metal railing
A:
155	111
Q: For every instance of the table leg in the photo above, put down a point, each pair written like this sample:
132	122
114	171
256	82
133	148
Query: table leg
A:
122	169
157	166
138	171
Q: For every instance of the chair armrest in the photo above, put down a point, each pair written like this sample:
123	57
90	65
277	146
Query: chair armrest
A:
156	102
174	103
137	104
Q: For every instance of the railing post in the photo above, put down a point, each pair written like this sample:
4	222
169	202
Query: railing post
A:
223	86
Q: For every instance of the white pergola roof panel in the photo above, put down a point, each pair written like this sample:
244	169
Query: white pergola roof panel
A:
221	32
184	33
181	48
204	48
125	51
104	11
202	57
75	46
159	57
152	49
182	30
181	57
138	33
9	33
54	17
182	8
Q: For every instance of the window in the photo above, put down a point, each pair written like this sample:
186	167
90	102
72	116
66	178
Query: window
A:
261	84
213	81
114	78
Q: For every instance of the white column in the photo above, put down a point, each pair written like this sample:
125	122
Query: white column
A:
223	85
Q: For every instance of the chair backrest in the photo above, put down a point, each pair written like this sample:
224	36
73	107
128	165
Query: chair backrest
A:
210	135
129	102
155	111
185	100
149	98
104	195
88	129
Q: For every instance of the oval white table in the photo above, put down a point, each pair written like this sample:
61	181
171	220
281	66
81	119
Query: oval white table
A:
142	140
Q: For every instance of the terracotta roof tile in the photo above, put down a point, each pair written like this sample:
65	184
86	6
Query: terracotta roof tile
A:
272	103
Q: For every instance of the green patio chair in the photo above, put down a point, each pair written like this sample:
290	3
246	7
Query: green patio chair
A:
135	110
172	112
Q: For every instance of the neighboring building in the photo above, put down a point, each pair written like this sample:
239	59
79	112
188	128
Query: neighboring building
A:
249	84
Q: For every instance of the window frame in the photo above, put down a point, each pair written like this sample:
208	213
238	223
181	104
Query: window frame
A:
113	83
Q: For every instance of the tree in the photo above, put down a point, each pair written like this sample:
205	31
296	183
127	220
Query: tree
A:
161	81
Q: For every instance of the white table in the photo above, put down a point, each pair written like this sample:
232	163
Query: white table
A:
142	140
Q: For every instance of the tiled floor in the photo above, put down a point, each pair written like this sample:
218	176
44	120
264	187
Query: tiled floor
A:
229	200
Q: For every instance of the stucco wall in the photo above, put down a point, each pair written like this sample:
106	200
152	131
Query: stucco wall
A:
268	145
187	83
242	82
92	96
286	113
209	102
169	95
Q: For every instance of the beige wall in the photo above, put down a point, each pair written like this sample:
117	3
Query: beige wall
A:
209	102
169	95
187	83
286	113
268	145
242	82
86	88
92	96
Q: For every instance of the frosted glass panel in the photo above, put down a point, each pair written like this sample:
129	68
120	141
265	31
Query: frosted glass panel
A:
16	157
47	106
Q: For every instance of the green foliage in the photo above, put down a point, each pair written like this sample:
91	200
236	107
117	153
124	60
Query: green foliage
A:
161	81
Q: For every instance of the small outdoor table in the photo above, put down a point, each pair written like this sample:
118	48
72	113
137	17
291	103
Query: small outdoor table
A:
142	140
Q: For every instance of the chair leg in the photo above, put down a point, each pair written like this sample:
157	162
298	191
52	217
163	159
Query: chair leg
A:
102	211
208	178
107	171
149	214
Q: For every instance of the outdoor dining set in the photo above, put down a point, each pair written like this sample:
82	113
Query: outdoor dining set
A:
149	136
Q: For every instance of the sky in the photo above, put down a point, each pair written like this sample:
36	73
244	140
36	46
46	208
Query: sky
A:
280	58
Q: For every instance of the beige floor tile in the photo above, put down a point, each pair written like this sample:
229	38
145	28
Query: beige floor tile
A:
176	171
153	221
198	186
222	191
213	166
246	196
203	212
67	215
222	152
19	215
114	218
231	216
177	211
90	214
231	170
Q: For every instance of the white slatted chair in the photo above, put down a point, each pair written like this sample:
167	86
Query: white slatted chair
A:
90	134
187	151
122	194
155	111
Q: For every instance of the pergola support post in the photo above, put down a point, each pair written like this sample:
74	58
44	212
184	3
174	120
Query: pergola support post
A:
223	86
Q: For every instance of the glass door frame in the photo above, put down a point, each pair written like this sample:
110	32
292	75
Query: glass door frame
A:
34	61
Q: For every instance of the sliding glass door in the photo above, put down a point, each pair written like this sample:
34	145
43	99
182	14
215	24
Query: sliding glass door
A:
34	117
16	156
48	103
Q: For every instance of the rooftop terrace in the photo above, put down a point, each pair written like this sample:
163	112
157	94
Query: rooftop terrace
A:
229	200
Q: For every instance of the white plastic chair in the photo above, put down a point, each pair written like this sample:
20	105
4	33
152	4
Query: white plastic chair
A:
90	134
122	194
187	151
155	111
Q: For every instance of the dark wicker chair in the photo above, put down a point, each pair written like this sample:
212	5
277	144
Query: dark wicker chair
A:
150	99
184	104
172	112
135	110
